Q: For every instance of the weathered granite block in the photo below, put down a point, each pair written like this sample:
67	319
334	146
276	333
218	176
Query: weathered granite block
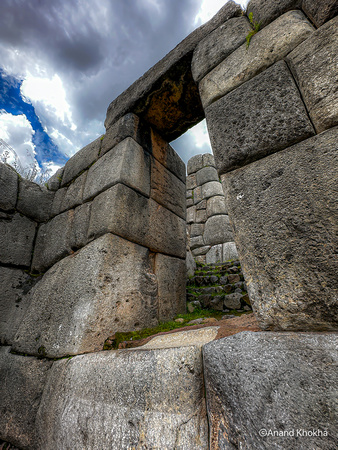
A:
22	382
8	187
229	251
166	95
196	242
83	159
194	164
34	201
217	230
54	181
197	195
190	263
74	193
266	11
201	250
191	182
105	287
269	45
216	205
14	284
171	280
315	69
128	126
196	229
215	254
233	301
16	240
201	216
144	221
218	45
53	241
262	116
206	174
79	231
126	163
212	188
291	387
320	11
189	202
191	214
167	189
283	209
201	205
58	202
126	399
208	160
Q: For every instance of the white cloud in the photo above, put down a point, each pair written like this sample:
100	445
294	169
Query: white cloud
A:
210	7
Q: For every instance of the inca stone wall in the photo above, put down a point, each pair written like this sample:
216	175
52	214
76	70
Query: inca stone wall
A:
104	248
209	232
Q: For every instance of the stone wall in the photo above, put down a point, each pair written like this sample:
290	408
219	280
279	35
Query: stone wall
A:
209	231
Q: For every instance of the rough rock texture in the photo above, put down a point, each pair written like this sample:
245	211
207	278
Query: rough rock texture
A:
14	284
266	47
152	226
167	189
183	338
34	201
216	205
194	164
166	96
262	116
22	382
126	399
54	181
205	175
217	230
126	163
190	263
73	195
171	280
314	65
283	382
107	286
16	240
265	11
320	11
284	216
218	45
8	187
83	159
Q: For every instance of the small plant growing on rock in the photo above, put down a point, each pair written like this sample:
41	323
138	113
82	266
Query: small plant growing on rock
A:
256	28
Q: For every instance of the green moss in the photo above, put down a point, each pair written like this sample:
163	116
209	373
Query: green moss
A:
256	28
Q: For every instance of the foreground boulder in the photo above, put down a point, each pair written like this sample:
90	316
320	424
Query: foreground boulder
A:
272	390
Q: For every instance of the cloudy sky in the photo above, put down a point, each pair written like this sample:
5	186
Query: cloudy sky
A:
63	61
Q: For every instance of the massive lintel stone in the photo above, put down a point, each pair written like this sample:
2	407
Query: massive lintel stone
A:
105	287
8	187
320	11
263	383
16	240
166	96
266	47
125	163
152	225
124	400
265	11
218	45
34	201
22	382
314	65
284	214
14	284
262	116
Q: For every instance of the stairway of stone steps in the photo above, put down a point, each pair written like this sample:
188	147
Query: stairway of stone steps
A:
219	286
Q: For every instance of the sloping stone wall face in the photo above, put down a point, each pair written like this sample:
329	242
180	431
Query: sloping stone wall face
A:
103	249
210	236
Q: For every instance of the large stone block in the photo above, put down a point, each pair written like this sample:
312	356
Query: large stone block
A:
79	235
34	201
217	230
262	116
284	214
191	182
272	390
16	240
269	45
122	211
191	265
191	214
171	279
126	163
83	159
22	382
74	194
194	164
229	251
314	66
14	284
126	399
54	181
167	189
216	205
218	45
166	96
197	229
128	126
320	11
215	254
265	11
206	174
212	188
105	287
8	187
53	241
